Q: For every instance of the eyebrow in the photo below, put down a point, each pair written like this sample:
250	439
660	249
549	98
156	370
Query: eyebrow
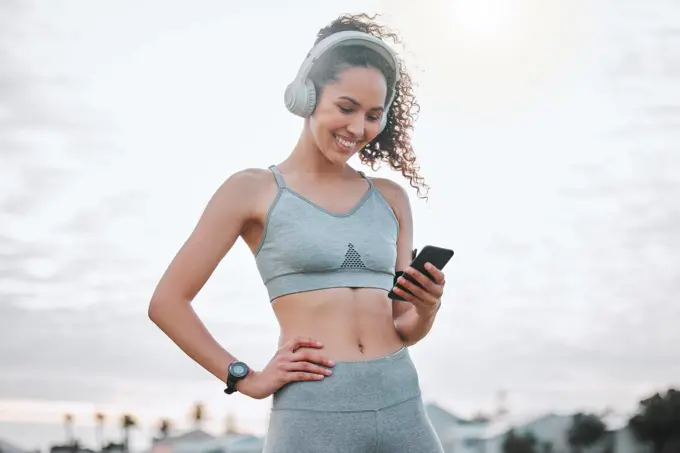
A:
355	102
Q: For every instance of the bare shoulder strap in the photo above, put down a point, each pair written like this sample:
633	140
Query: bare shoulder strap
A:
277	175
368	180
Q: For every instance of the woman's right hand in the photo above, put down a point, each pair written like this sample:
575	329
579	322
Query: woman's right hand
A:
297	360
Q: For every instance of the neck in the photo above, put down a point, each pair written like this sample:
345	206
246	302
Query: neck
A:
306	157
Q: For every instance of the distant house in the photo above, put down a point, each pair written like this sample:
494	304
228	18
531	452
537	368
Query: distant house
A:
456	434
201	442
623	439
550	430
625	442
173	444
459	435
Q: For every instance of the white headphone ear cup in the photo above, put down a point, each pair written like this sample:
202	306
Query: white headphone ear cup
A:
308	98
300	98
290	98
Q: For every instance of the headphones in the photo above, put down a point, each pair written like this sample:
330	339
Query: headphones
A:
300	96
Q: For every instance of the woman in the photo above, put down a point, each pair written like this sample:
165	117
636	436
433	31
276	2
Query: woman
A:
328	242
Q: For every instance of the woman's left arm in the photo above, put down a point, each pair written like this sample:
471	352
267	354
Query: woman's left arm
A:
413	318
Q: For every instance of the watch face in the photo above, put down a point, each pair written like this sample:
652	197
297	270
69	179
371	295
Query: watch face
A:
238	369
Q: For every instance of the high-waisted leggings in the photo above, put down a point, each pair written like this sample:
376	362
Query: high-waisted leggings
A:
371	406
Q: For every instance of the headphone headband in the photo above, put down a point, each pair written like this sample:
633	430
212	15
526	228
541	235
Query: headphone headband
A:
300	96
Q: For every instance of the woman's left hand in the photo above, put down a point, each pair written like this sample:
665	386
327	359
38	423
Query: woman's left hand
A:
425	299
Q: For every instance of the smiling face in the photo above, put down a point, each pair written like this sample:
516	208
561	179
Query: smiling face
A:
348	112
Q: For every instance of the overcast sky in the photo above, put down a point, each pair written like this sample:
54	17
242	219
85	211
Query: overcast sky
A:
548	133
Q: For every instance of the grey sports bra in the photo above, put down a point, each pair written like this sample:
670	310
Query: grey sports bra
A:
305	247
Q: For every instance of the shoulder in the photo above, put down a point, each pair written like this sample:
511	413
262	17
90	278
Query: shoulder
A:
249	178
244	188
395	195
249	181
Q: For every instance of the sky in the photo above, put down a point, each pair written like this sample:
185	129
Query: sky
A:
548	133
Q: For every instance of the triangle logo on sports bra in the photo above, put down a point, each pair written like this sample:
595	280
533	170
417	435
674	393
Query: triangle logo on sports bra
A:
352	258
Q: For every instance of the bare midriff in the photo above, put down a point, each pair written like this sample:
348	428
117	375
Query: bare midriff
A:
351	323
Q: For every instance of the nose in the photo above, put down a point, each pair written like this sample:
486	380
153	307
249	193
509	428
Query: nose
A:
356	125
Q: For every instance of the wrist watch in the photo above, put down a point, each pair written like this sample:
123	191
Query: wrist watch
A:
237	371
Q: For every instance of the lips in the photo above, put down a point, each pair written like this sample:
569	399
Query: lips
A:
345	144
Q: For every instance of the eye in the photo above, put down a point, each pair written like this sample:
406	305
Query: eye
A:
375	115
344	109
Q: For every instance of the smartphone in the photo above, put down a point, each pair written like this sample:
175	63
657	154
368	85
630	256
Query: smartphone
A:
436	256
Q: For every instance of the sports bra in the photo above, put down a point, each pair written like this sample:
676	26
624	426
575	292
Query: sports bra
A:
304	247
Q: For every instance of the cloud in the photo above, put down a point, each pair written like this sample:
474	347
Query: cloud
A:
87	354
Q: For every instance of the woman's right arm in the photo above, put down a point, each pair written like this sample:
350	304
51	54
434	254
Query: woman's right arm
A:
226	215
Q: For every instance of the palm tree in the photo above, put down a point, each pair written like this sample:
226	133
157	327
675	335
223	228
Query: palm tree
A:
198	415
164	428
99	419
68	427
127	422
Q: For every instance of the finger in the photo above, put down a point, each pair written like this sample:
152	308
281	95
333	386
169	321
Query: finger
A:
302	376
416	290
436	274
301	342
408	297
421	278
308	367
308	355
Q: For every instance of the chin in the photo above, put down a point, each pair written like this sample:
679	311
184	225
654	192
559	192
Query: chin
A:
336	155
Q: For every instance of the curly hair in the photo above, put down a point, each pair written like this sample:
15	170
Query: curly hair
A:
393	144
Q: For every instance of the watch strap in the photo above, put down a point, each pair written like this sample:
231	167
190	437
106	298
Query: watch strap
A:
232	380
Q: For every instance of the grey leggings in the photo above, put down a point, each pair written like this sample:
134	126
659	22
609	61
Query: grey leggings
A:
371	406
